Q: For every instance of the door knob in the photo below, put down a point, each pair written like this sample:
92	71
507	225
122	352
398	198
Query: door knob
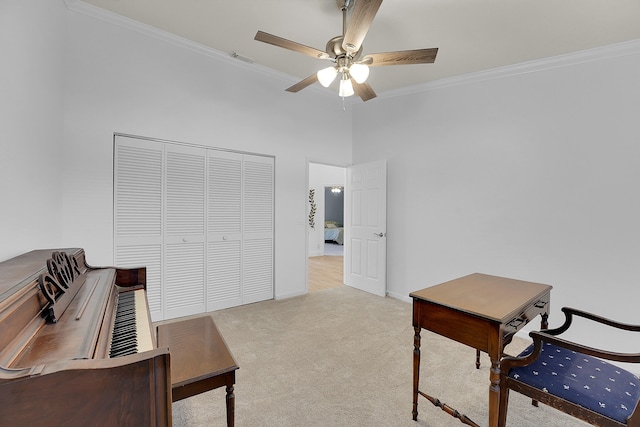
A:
378	234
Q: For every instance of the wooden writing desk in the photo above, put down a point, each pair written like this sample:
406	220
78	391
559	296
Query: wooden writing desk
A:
480	311
199	359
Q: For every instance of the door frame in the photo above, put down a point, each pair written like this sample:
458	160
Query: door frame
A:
307	226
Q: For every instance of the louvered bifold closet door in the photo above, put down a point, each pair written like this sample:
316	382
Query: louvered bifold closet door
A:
224	238
258	208
138	168
185	204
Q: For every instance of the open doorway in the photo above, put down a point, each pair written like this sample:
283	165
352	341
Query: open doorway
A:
326	231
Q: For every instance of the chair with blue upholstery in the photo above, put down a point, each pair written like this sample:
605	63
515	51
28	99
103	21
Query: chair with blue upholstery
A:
574	378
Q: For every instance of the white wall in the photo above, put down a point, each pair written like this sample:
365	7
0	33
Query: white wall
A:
530	175
533	176
119	79
31	102
321	176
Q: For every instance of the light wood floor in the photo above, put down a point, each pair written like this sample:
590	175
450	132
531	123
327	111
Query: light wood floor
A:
325	272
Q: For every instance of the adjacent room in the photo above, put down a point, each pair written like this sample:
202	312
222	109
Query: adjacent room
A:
326	236
193	145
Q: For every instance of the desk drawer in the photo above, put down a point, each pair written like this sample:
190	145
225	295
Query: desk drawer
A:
530	312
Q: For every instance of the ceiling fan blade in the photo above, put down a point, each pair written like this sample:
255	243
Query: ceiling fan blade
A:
261	36
363	90
313	78
361	18
402	57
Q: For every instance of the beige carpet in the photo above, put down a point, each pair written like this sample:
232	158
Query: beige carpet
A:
343	357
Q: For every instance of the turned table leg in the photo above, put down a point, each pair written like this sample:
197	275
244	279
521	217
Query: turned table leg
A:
416	370
231	399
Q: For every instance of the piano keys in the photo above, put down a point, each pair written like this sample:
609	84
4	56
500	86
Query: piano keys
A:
77	345
130	326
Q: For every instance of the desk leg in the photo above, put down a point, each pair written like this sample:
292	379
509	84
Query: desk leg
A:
496	344
494	392
416	370
231	400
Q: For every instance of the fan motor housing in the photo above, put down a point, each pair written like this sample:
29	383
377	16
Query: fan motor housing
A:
335	50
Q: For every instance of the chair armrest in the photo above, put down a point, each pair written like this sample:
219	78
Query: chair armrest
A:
543	336
552	336
570	312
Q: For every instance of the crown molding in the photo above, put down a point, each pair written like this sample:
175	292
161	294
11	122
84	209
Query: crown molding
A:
113	18
567	60
139	27
618	50
147	30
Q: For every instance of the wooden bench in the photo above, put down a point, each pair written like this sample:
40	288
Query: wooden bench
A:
200	360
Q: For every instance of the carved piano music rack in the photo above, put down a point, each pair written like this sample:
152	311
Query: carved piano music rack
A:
77	346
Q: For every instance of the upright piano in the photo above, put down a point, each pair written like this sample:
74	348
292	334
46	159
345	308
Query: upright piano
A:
77	347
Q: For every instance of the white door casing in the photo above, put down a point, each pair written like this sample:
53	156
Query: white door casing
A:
365	227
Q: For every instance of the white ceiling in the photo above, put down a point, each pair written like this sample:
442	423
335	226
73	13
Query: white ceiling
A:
472	35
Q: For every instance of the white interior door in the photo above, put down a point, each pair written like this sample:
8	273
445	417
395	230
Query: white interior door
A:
258	218
184	253
366	227
138	200
224	241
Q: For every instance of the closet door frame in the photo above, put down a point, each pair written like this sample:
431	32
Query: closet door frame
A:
254	248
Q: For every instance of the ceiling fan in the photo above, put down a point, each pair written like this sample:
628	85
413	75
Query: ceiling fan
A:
345	51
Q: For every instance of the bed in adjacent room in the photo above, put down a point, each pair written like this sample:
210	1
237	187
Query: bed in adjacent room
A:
333	232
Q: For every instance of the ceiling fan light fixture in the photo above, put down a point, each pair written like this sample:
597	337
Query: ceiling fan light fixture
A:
359	72
327	75
346	88
345	51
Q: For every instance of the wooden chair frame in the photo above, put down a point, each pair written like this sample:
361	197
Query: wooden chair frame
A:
550	336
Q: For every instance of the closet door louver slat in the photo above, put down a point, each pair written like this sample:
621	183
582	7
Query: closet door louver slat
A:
225	189
185	194
148	256
223	275
258	195
257	284
184	279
